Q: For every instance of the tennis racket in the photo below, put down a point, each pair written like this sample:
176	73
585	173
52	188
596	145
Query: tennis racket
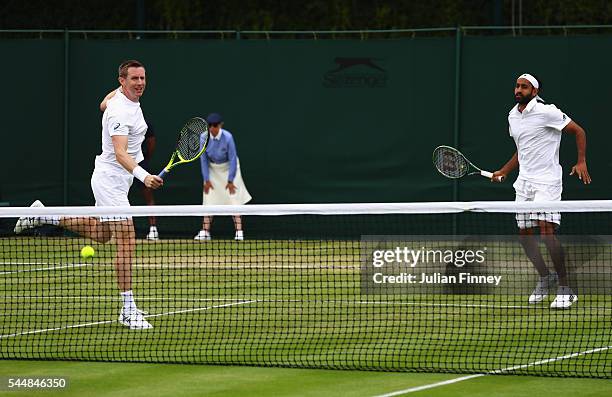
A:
452	164
188	147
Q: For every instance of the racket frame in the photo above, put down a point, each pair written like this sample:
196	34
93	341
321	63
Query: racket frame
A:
172	163
477	171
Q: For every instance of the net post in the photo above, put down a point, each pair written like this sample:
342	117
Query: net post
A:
456	120
66	116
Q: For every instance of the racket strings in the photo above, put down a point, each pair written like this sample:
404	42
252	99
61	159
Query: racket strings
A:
451	163
188	144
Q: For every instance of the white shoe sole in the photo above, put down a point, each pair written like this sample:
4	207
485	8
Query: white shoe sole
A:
144	324
564	303
25	223
533	299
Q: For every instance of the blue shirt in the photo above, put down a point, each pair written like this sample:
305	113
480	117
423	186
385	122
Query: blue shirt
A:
220	149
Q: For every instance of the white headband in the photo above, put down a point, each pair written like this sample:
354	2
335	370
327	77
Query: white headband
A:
531	79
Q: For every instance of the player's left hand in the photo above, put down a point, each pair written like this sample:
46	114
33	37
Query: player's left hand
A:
231	187
581	171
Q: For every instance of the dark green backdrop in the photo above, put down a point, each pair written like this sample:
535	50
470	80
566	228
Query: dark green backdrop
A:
307	130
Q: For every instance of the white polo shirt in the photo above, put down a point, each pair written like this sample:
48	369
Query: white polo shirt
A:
121	117
537	134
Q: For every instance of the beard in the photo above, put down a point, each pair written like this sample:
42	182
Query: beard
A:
524	100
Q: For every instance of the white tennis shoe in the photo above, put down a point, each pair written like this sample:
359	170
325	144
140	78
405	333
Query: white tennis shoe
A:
239	235
203	235
564	299
134	320
29	222
153	234
542	288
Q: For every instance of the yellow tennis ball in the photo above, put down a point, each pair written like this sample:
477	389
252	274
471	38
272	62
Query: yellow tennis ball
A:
87	252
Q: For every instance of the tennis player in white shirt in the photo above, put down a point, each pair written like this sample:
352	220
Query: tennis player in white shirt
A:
123	130
536	128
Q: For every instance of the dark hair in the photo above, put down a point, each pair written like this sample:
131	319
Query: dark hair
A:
132	63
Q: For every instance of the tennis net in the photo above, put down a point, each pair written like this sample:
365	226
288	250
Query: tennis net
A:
437	287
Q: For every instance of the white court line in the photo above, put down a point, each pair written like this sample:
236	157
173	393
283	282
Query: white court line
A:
348	302
496	372
118	298
200	308
430	386
472	305
286	301
46	268
550	360
38	331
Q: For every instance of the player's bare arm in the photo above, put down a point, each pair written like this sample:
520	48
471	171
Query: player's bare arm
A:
580	169
510	166
107	98
120	143
150	142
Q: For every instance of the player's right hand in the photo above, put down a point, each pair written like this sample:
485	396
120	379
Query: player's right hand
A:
498	176
153	182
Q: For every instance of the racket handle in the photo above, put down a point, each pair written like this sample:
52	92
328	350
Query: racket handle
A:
162	174
489	175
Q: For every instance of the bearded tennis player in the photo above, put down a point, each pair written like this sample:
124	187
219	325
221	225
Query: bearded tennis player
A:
536	128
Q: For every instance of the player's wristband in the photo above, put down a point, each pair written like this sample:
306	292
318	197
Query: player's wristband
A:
140	173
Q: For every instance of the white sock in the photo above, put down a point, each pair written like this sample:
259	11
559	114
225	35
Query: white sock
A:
153	228
239	233
129	306
51	220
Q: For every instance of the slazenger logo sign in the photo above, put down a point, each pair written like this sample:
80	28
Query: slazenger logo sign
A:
356	72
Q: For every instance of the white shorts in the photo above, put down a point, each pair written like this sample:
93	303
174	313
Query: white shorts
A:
529	191
110	189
